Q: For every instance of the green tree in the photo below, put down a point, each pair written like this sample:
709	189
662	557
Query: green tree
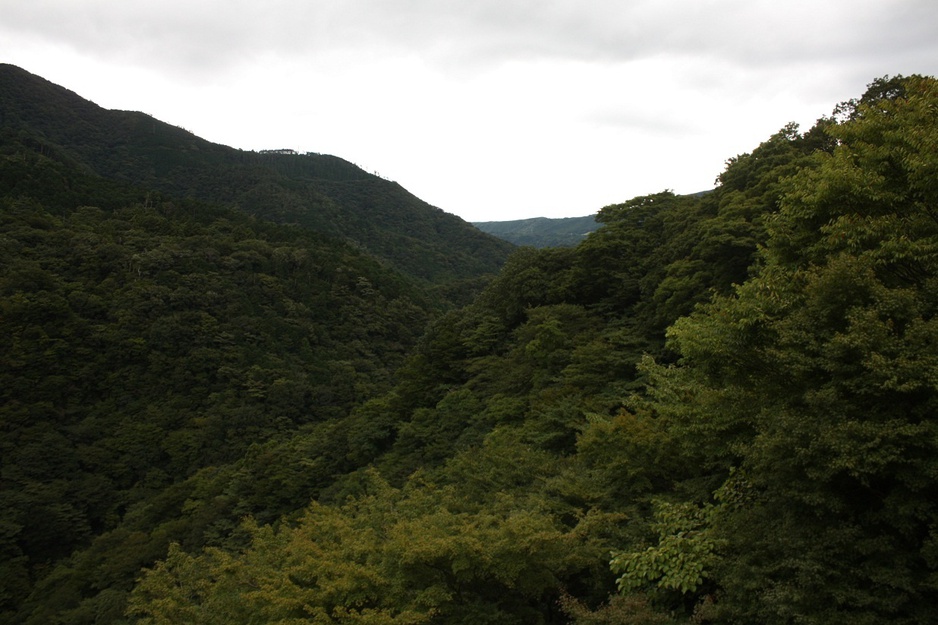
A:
385	556
816	379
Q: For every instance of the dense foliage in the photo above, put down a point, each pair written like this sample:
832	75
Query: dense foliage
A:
143	344
716	408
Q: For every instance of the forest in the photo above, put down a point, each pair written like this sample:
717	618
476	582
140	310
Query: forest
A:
224	402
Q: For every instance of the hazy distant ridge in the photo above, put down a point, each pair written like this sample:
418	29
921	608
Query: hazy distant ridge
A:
541	231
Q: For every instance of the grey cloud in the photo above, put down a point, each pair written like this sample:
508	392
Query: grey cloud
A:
482	30
207	36
193	35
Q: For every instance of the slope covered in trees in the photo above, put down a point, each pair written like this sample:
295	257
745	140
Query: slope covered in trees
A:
144	343
714	409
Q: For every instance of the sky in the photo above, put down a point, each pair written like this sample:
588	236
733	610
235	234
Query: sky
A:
489	109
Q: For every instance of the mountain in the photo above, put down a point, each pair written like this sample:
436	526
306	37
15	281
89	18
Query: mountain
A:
541	231
169	308
716	408
317	191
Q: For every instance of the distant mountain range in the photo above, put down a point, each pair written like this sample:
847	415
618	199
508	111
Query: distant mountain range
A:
541	231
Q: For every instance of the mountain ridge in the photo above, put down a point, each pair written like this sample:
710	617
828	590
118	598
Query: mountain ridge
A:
541	231
323	192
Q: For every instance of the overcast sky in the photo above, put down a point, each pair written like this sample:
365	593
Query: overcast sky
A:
489	109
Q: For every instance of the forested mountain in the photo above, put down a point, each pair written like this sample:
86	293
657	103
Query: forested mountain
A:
318	191
164	315
715	409
541	231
